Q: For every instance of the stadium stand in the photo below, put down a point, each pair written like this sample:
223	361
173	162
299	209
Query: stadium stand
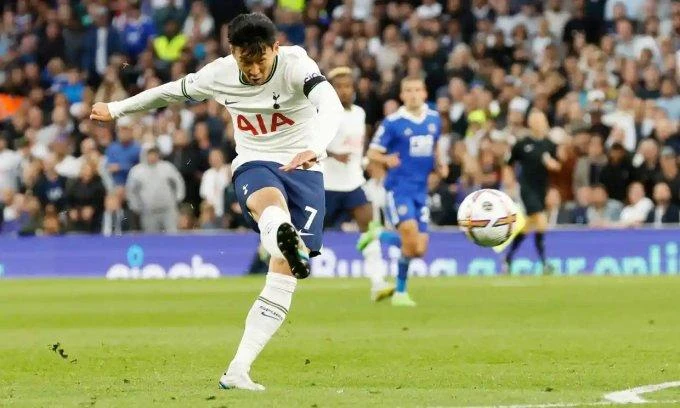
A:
605	72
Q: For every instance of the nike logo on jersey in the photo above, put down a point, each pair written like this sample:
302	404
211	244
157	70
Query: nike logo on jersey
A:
227	103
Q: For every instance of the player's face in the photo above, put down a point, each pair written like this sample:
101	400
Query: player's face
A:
344	86
413	94
256	68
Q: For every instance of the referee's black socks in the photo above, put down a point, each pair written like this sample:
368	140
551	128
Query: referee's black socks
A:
540	245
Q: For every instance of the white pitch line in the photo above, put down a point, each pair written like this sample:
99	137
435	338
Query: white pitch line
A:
632	395
629	396
559	404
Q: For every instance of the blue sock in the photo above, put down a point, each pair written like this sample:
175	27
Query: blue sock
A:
402	274
390	238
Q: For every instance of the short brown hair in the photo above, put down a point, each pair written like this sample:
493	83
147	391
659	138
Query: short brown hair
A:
411	79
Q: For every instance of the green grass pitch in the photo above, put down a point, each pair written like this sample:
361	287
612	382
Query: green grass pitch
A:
471	341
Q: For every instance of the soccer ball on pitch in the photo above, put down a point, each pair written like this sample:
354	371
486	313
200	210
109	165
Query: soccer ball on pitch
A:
488	217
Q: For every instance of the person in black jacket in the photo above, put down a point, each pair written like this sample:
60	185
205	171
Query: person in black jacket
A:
85	200
440	201
188	161
664	212
617	174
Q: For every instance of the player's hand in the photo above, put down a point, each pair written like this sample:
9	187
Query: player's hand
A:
443	171
100	111
392	160
305	159
341	157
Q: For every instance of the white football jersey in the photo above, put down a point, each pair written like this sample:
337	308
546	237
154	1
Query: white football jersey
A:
272	122
350	139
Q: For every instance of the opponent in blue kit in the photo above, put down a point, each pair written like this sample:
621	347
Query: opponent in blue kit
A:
406	143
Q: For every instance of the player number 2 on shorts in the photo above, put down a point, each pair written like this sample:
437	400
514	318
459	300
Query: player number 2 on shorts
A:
310	220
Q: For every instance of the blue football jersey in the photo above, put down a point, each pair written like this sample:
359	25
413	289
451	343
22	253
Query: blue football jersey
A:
415	140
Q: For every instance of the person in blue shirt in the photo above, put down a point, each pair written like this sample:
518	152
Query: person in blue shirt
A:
406	144
123	154
137	32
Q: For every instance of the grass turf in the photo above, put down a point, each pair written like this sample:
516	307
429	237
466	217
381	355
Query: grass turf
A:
471	341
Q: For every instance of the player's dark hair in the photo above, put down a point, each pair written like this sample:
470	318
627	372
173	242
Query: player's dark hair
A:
253	33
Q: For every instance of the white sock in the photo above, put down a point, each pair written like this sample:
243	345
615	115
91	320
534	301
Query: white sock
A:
264	319
373	264
270	220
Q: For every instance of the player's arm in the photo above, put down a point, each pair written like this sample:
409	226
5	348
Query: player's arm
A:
334	150
193	87
508	176
550	159
377	150
307	77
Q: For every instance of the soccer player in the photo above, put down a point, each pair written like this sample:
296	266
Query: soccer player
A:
406	143
344	178
284	113
536	155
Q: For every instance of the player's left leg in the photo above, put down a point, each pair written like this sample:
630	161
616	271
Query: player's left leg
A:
519	238
362	212
262	196
533	205
267	207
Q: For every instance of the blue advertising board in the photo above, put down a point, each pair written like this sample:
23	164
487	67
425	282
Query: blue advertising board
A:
572	252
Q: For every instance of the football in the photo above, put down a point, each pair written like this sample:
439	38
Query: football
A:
488	217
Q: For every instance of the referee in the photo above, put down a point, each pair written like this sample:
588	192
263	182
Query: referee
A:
535	156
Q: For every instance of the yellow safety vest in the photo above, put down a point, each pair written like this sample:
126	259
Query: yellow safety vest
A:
169	50
294	5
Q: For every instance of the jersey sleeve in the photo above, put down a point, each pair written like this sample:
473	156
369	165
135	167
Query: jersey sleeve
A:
382	137
305	74
195	87
198	86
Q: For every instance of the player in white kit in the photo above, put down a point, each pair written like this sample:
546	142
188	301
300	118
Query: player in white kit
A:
284	113
344	179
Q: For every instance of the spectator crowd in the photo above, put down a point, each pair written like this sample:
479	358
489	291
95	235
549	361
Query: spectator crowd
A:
604	72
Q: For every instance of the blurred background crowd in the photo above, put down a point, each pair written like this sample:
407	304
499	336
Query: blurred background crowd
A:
604	72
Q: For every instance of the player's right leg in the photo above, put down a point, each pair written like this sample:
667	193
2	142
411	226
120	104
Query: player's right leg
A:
410	243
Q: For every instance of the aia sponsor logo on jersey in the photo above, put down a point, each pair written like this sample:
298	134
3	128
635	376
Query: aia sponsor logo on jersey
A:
263	124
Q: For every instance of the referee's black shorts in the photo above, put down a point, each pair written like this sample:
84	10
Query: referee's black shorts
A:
533	199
